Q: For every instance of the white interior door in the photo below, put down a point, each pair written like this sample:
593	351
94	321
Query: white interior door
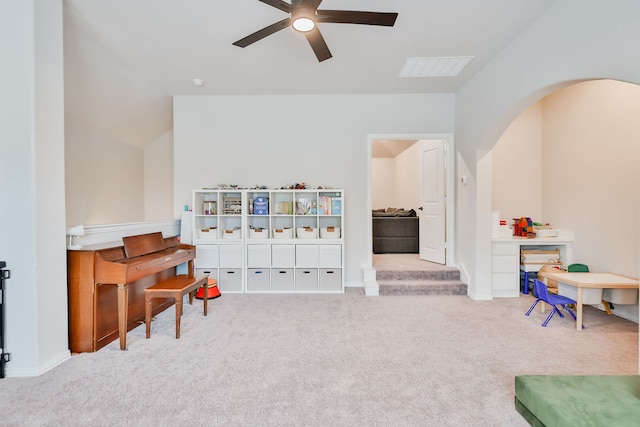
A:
433	197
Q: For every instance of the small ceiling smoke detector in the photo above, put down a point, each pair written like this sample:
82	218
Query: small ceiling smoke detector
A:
198	82
434	67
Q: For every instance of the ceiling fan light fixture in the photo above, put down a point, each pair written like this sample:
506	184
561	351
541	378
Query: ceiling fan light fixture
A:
303	21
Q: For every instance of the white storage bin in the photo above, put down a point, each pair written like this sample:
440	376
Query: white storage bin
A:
283	233
330	233
257	280
330	280
211	272
208	233
589	296
307	233
230	280
545	232
282	279
621	296
232	233
307	279
258	233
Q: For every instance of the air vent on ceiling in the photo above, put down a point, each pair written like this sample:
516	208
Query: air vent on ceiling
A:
434	67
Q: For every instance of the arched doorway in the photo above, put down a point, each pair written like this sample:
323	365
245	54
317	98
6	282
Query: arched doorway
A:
570	159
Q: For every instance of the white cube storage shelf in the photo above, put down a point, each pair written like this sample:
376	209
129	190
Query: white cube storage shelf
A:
266	254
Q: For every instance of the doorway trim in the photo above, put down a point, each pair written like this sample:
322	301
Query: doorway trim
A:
369	276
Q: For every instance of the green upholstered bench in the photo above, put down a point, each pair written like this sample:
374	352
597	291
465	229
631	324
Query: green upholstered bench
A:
591	400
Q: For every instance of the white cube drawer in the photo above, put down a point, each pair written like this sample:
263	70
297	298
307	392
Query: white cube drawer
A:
505	282
505	264
230	255
330	279
258	255
505	249
505	285
306	279
283	255
330	256
206	256
282	279
230	280
307	255
211	272
257	279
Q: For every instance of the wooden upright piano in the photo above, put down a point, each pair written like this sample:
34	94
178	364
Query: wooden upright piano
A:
106	287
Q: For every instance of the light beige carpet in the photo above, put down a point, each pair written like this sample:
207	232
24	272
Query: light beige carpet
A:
323	360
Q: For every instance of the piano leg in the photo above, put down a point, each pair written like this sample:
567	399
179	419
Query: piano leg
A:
178	315
123	304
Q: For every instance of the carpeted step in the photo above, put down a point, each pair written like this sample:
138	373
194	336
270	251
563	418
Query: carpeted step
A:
422	287
449	275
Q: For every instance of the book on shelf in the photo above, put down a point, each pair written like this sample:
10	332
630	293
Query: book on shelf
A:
324	205
336	206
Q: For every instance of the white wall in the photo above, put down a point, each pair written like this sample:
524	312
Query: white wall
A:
408	178
395	181
158	178
591	181
517	168
32	215
383	183
104	178
279	140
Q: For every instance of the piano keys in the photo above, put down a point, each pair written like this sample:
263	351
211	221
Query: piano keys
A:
106	287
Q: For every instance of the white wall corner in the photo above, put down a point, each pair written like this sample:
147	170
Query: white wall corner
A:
371	287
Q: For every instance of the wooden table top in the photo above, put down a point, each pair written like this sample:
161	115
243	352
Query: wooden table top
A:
593	280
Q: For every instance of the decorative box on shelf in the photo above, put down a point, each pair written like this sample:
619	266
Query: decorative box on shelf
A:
330	233
258	233
208	233
283	233
232	233
307	233
261	206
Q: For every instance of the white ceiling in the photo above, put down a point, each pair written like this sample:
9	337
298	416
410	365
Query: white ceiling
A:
125	59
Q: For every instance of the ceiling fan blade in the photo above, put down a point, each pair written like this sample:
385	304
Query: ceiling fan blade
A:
318	44
355	17
278	4
260	34
311	4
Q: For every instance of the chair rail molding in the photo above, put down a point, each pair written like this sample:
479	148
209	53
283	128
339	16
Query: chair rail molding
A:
113	233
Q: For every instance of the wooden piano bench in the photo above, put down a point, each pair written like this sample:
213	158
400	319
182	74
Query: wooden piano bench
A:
174	287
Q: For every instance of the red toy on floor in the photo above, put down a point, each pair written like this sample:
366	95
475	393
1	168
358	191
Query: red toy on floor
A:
212	290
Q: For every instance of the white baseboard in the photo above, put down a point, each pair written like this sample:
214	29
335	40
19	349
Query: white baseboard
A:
13	371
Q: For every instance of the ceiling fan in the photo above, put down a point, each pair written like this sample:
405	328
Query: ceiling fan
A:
304	18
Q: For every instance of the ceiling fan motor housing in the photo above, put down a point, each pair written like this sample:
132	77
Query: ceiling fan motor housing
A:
303	19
